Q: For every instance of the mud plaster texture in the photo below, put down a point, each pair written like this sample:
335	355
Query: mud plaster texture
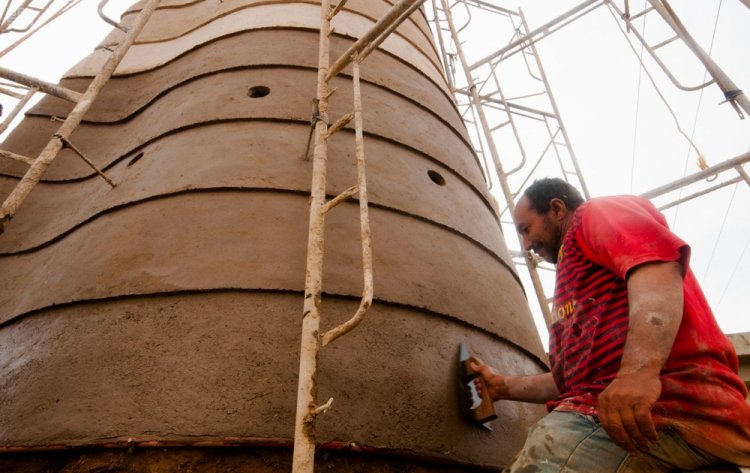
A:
168	309
741	342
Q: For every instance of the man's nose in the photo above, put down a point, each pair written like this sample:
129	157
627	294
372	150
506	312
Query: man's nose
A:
526	243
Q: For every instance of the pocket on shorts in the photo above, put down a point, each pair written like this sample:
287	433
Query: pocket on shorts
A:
681	453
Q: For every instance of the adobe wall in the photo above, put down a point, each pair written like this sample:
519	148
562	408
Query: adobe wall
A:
741	342
166	312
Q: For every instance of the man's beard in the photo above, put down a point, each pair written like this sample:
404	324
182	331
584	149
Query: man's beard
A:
552	250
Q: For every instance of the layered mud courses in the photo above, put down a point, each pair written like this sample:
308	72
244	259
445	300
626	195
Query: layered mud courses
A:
144	326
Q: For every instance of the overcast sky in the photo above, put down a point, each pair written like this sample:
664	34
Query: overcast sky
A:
595	79
625	137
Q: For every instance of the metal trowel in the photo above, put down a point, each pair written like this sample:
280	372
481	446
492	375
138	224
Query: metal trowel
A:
478	408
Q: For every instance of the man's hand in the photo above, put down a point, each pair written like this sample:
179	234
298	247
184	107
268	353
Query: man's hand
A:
655	302
625	410
489	379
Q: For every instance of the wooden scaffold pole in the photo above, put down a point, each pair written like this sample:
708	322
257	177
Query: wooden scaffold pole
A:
62	137
311	340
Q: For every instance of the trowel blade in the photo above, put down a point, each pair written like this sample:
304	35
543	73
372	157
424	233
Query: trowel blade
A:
463	352
475	406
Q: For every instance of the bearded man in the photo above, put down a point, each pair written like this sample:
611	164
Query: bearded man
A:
642	379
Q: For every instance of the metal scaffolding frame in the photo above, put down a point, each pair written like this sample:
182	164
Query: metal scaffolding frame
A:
35	24
487	111
61	139
7	23
733	95
708	174
25	90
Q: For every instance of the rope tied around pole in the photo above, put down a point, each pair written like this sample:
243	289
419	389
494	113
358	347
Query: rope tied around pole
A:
316	117
703	165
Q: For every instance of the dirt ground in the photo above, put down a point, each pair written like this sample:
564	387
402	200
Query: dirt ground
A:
211	460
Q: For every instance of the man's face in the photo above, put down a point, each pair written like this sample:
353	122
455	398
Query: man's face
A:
540	232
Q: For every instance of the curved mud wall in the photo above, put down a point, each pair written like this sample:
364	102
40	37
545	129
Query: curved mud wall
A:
168	309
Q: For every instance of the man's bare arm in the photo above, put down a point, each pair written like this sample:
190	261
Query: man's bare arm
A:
538	388
655	299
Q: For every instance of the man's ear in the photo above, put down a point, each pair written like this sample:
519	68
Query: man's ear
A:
558	208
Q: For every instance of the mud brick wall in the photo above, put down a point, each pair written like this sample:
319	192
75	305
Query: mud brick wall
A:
167	311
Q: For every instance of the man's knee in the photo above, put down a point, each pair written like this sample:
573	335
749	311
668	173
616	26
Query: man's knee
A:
571	441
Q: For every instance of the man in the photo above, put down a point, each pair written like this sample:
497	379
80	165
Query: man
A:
642	377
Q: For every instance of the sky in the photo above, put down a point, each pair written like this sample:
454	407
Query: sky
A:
625	137
623	134
600	108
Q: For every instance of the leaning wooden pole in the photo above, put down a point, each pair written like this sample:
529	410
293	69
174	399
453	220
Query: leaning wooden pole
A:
50	152
364	219
312	340
304	432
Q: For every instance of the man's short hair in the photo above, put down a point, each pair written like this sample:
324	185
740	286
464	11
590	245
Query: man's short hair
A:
542	191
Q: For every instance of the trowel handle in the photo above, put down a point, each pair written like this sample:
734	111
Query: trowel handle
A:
470	374
485	412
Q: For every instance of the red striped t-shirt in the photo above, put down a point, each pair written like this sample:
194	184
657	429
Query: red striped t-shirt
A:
702	396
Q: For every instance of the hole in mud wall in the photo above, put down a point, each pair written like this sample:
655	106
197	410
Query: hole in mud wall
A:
258	91
436	177
135	159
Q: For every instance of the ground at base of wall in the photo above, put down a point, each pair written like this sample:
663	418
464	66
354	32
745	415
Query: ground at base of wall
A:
211	460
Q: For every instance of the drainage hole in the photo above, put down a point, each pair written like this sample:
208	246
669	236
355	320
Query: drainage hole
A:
436	177
258	91
135	159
